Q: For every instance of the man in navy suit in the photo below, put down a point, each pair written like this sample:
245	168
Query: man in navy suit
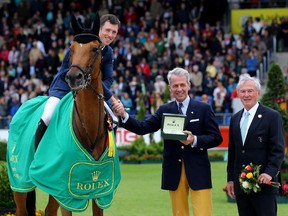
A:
186	167
262	144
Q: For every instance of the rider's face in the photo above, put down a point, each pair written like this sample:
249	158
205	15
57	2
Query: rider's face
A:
108	33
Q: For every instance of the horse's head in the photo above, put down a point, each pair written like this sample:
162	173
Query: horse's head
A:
85	56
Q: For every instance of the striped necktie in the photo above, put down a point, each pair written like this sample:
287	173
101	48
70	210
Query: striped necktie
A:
180	105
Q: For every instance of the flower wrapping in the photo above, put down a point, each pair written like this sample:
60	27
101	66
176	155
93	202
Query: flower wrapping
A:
248	179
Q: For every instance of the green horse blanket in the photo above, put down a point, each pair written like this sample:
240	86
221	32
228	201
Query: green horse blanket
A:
61	166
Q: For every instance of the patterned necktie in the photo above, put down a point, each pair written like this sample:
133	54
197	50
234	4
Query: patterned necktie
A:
244	126
180	108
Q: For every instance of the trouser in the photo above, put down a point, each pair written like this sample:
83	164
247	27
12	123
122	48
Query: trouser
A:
49	109
256	204
201	199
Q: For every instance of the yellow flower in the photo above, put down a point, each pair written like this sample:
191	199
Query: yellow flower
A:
249	175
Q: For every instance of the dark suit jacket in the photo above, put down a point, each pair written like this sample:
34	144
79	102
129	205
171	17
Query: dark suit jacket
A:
264	145
197	165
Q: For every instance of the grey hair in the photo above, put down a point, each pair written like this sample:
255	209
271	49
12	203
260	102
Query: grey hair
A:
245	79
178	72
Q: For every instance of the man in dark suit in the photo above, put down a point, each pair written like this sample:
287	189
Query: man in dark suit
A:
186	167
262	144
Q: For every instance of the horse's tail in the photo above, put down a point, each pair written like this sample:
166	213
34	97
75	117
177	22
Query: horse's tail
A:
31	203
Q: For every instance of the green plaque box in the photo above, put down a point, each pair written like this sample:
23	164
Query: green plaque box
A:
173	126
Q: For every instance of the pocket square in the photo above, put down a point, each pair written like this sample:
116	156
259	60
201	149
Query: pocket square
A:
194	120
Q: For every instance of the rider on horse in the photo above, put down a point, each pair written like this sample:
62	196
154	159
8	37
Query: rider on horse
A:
109	26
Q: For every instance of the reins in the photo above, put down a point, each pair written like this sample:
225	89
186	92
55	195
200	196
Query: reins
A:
93	144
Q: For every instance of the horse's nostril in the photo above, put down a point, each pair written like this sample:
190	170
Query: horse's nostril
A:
79	76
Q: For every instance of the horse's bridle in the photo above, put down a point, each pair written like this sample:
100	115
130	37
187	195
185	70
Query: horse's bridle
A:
89	70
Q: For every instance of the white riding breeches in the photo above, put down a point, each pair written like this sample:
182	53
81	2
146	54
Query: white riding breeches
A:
49	109
52	103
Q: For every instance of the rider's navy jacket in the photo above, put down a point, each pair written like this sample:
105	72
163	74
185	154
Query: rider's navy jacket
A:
59	87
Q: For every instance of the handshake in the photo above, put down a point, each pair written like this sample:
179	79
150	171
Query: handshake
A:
118	108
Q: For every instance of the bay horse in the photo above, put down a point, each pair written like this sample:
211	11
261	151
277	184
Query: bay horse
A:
77	159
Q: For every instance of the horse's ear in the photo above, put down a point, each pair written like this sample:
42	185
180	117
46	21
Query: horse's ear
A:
75	25
96	25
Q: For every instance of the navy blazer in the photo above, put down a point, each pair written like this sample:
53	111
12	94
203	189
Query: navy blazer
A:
202	123
264	145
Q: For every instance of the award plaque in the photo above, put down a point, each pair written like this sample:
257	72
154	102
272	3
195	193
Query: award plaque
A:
173	126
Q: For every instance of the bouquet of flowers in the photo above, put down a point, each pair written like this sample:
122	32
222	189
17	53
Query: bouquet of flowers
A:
249	179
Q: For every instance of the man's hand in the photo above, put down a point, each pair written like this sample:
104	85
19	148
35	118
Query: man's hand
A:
264	178
190	138
230	189
118	109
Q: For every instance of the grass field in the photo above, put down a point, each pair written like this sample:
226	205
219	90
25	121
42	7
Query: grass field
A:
139	194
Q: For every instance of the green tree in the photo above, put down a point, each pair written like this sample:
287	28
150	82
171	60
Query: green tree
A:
166	96
142	108
275	93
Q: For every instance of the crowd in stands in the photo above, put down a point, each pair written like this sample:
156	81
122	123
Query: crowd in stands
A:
155	36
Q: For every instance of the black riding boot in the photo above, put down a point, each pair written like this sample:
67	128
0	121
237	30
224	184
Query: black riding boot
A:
31	196
39	133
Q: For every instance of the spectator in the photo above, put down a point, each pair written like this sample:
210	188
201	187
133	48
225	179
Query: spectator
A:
182	15
283	34
219	95
4	120
23	63
257	24
159	85
130	15
252	64
157	102
4	53
156	9
14	105
145	69
52	61
205	99
13	56
127	103
208	85
261	46
249	30
173	35
267	40
211	69
196	80
228	98
34	53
